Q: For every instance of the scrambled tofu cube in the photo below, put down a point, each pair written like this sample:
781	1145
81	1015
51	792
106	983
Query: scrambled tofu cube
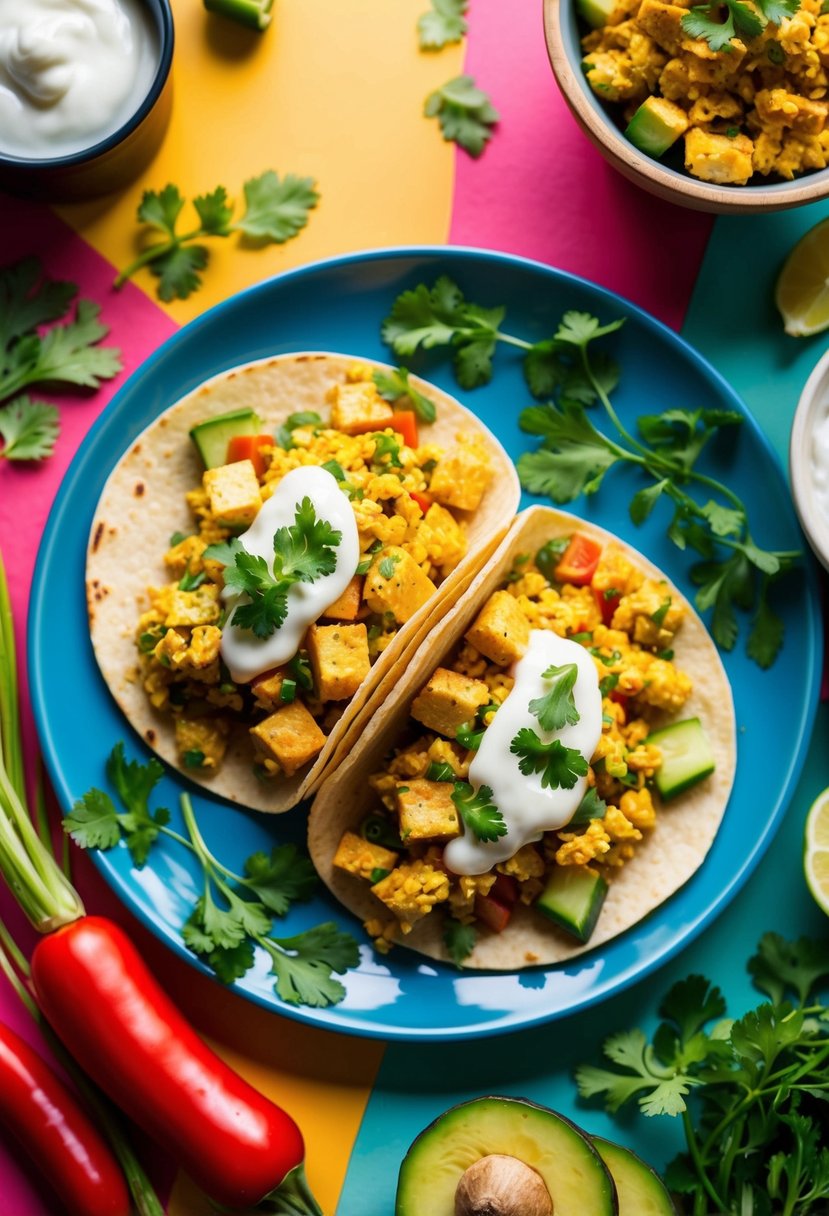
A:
358	407
663	23
782	108
201	742
267	688
501	631
427	811
347	607
448	700
412	890
396	584
290	738
445	538
362	857
460	478
716	158
233	493
199	607
339	659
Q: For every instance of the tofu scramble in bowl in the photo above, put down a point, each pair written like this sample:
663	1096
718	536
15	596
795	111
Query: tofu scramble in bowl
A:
270	548
554	765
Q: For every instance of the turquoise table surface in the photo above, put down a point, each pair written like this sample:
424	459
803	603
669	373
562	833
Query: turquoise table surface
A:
733	322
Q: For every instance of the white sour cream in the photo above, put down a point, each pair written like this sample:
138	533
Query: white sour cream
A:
527	807
246	655
820	465
71	72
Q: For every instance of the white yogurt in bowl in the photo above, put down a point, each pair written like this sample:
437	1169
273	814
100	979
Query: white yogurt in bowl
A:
72	72
809	459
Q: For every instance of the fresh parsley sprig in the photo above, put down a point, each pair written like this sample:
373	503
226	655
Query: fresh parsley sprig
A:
443	24
276	209
719	23
757	1134
478	812
303	552
235	912
465	113
734	572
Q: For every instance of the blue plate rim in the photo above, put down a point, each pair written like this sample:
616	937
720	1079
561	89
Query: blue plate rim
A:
329	1018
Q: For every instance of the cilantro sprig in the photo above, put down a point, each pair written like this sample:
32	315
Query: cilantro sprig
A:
560	766
276	209
394	384
29	429
719	23
303	552
757	1134
465	113
235	912
478	812
557	707
733	573
442	25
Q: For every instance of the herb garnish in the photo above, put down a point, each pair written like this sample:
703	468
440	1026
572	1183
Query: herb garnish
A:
739	20
394	384
284	436
560	766
574	456
459	940
465	113
302	554
387	565
29	429
479	814
757	1136
235	912
442	25
557	708
590	807
276	209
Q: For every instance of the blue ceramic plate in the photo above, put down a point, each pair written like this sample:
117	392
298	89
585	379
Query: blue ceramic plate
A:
338	305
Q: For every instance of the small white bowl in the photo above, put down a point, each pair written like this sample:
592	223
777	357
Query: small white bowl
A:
808	473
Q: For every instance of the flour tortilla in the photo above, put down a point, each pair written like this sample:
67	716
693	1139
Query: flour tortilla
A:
664	860
143	503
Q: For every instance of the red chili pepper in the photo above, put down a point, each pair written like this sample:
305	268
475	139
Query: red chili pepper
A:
249	447
579	561
422	500
47	1121
102	1002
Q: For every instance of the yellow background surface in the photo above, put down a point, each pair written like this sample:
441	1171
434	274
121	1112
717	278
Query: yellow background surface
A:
331	90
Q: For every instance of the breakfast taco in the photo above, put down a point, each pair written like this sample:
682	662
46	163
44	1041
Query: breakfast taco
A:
271	547
554	764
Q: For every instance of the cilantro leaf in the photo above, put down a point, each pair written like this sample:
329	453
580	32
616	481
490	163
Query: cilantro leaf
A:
177	270
479	814
276	209
662	1091
28	300
265	612
230	963
442	25
780	965
280	877
775	10
557	708
305	550
465	113
134	783
69	353
161	209
766	636
580	328
292	422
29	429
644	501
459	940
573	459
590	807
214	211
303	965
560	766
395	384
93	821
225	551
425	317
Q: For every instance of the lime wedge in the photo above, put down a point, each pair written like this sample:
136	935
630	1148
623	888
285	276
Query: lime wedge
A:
802	291
816	850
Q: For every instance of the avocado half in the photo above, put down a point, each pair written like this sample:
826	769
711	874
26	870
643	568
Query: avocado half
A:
640	1189
564	1157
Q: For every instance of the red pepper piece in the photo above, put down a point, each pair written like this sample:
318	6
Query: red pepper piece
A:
100	999
607	602
46	1119
495	915
250	447
579	561
504	889
402	421
422	500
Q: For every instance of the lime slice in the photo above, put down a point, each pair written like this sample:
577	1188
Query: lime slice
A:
802	291
816	850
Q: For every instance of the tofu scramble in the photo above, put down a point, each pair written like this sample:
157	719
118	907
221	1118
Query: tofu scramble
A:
627	622
408	499
754	107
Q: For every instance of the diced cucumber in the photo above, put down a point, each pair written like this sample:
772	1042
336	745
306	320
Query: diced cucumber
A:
573	898
212	436
595	12
686	757
656	125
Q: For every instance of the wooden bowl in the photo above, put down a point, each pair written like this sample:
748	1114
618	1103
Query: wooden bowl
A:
563	35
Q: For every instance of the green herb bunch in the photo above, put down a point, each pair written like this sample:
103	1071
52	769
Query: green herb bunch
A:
68	354
235	912
719	23
752	1093
572	374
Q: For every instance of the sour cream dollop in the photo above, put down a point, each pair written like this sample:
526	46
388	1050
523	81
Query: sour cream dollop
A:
528	808
246	655
71	72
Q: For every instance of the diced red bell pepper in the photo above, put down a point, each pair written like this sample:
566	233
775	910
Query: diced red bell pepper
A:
493	914
402	421
250	447
504	889
607	603
422	500
579	561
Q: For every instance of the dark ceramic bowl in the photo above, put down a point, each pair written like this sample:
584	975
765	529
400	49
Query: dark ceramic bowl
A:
120	156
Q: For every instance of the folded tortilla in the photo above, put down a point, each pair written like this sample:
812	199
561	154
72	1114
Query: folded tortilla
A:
143	503
664	860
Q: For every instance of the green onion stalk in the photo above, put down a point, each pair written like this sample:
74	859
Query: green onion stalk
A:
46	896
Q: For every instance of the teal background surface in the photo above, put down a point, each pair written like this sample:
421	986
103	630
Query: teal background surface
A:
733	322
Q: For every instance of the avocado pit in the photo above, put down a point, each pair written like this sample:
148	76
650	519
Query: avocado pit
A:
499	1185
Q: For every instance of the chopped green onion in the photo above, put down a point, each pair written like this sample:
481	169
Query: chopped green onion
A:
255	14
194	758
288	691
378	874
379	831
